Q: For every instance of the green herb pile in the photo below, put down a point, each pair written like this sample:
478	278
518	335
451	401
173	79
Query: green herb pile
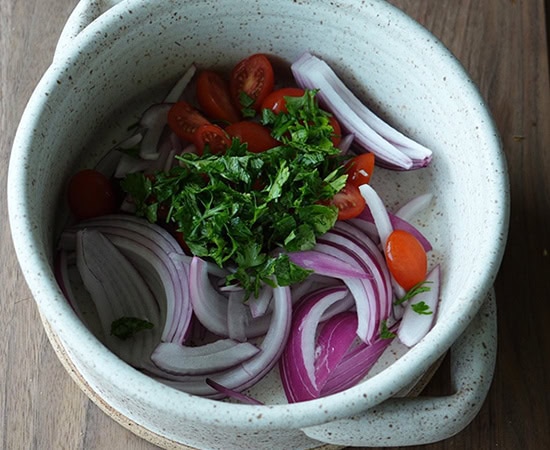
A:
244	210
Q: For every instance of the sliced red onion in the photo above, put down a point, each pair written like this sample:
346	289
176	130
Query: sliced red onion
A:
354	366
414	206
117	291
415	326
152	249
297	364
213	357
260	305
211	307
345	143
333	342
237	315
130	164
154	121
179	87
365	222
372	133
326	264
251	371
230	393
63	261
379	212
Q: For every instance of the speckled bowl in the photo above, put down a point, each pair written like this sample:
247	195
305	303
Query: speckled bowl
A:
116	57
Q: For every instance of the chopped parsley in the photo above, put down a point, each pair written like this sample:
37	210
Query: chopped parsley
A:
126	327
421	308
243	210
385	332
415	290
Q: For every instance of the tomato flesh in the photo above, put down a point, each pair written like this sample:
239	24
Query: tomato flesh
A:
276	100
214	97
212	136
349	201
360	169
337	134
184	120
406	258
91	194
253	77
257	137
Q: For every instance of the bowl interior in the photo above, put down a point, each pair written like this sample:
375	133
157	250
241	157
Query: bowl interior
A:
128	58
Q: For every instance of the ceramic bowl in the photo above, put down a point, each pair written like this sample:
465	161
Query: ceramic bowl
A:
115	58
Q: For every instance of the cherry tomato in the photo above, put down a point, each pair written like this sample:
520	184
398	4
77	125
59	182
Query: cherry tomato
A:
254	78
214	98
349	201
360	168
91	194
337	135
212	136
276	101
257	136
184	119
406	258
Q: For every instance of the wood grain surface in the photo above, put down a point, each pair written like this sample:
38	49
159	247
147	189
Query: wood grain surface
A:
504	46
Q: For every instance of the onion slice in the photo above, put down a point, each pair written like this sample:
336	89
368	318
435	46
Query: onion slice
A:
215	356
390	146
415	326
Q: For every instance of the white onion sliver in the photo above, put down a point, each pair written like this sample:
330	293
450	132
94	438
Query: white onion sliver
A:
117	290
378	211
414	326
414	206
180	86
219	355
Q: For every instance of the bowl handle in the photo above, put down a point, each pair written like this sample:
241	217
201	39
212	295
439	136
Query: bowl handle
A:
84	13
424	420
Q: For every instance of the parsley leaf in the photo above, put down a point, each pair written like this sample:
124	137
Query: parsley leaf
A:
421	308
415	290
385	332
126	327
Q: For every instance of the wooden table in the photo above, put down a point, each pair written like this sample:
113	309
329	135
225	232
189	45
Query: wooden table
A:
504	46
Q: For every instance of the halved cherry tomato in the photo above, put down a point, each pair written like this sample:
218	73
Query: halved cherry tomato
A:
349	201
214	98
337	135
212	136
276	101
406	258
184	119
91	194
257	136
360	168
252	78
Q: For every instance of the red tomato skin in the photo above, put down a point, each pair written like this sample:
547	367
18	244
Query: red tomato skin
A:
349	201
214	97
406	259
91	194
276	102
184	119
213	136
360	169
337	134
257	136
254	76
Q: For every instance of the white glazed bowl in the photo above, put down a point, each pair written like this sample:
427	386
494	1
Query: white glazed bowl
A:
105	72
